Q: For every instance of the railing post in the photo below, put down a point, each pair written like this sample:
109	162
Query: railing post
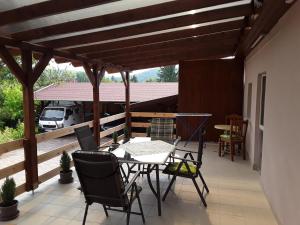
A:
127	94
96	107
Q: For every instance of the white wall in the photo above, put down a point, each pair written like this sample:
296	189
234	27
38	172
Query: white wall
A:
279	56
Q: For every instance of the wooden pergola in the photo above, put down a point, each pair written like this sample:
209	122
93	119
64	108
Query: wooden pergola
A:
121	36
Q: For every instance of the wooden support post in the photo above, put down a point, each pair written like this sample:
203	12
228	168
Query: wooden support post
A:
127	96
95	76
30	146
27	77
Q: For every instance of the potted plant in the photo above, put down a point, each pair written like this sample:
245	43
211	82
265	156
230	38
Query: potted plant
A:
126	134
115	143
8	206
66	172
148	131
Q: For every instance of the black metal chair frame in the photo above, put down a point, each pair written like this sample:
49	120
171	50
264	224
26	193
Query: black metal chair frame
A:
197	163
131	187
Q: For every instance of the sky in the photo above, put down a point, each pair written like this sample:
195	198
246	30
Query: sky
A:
69	66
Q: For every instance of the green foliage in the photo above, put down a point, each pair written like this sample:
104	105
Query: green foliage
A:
8	191
81	77
126	132
65	162
11	103
168	74
10	134
115	137
133	79
151	80
148	131
54	75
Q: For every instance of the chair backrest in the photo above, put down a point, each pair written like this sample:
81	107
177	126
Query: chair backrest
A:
201	134
236	128
86	138
162	129
230	117
100	178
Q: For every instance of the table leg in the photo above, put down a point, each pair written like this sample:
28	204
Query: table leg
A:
157	191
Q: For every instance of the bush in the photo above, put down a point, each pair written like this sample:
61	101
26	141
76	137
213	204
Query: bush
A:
65	162
8	191
10	134
126	132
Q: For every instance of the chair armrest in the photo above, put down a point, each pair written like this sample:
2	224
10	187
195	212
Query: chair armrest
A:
184	159
182	150
177	140
131	182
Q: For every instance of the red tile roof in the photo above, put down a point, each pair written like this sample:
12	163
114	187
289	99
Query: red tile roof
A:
109	92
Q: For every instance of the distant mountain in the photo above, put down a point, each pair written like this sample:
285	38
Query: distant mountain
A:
146	75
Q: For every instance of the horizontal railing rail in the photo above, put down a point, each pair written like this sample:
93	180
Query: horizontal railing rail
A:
17	144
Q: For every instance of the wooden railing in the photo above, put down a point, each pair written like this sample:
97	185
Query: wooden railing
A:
17	144
145	124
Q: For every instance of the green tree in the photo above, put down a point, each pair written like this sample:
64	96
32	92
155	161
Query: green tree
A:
168	74
149	80
81	77
54	74
133	79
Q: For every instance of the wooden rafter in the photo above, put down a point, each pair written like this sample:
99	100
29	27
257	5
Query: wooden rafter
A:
169	36
41	65
270	14
117	18
193	42
11	63
46	8
148	27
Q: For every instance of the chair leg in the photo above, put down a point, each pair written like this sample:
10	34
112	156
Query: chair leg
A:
105	210
232	151
128	214
169	187
199	192
141	209
85	214
203	181
220	147
244	150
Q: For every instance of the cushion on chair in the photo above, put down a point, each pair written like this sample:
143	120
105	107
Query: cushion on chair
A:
171	168
162	129
227	137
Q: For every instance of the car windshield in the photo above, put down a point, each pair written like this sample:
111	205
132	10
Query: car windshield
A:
52	114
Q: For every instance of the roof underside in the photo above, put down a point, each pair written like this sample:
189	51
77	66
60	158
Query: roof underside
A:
135	34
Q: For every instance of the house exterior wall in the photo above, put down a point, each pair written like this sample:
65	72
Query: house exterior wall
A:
279	57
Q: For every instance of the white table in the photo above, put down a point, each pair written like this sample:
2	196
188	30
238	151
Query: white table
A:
144	151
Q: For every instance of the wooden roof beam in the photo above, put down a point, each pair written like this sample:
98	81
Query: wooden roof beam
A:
46	8
6	41
117	18
181	43
271	12
227	26
180	21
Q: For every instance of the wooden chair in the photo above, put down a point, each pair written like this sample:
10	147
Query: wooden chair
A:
230	117
234	137
101	182
242	145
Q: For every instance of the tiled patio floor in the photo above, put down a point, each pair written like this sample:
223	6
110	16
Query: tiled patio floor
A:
235	198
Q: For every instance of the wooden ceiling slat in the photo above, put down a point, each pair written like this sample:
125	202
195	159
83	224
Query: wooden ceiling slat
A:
180	21
188	42
5	41
117	18
270	14
181	54
46	8
159	37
